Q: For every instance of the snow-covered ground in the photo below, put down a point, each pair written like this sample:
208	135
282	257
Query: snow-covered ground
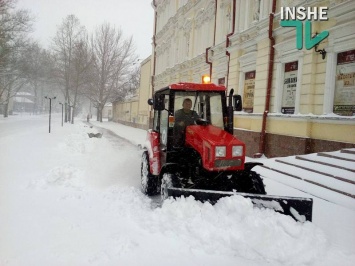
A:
67	199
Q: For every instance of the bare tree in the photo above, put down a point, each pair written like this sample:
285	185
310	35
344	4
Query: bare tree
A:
82	61
36	65
12	80
130	87
112	58
14	28
68	35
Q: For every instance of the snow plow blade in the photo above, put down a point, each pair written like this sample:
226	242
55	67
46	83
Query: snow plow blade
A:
298	208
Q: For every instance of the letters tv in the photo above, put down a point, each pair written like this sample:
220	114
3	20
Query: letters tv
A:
304	13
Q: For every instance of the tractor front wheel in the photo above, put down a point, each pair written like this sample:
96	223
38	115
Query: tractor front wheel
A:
149	182
249	182
258	186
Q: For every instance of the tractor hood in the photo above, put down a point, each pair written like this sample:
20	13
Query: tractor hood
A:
205	139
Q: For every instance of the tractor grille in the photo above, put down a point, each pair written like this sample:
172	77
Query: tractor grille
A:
227	163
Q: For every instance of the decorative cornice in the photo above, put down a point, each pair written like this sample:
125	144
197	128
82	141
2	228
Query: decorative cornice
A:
293	3
286	51
198	59
247	59
202	17
168	27
218	49
245	40
343	12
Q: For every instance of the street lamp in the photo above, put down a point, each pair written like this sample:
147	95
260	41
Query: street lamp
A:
50	110
66	113
62	112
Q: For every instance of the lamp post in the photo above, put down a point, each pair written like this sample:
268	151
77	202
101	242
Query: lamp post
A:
62	111
66	113
50	110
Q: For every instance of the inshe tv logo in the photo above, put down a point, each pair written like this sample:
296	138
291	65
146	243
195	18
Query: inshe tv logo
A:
294	17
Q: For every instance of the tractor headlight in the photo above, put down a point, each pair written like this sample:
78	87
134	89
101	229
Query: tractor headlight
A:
220	151
237	151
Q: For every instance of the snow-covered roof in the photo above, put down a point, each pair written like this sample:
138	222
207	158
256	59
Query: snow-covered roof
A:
22	100
23	93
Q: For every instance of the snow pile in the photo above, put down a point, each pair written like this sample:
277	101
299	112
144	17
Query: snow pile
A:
74	143
66	175
234	228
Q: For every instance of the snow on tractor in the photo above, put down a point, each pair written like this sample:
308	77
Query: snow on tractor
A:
191	150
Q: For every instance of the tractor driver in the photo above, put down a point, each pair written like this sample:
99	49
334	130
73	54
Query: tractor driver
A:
183	117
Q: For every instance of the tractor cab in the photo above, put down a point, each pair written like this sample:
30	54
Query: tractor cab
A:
208	107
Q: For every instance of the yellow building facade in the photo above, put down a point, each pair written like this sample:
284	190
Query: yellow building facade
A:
135	111
295	101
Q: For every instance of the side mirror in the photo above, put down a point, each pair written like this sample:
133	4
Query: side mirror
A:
158	102
237	100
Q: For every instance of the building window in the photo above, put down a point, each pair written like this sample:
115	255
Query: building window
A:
344	92
289	88
248	94
288	83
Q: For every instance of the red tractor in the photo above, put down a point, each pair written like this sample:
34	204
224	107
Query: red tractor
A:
201	156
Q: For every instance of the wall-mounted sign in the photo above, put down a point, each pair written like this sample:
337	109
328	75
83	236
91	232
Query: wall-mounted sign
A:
221	81
344	93
289	88
248	96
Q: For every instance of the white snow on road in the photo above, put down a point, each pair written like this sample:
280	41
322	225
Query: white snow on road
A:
67	199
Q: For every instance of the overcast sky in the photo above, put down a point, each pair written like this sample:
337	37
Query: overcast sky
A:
135	17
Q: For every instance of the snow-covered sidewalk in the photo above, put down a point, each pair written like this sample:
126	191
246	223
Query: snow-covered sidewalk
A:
135	135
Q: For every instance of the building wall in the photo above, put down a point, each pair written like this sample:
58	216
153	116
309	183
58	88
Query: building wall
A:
144	92
184	31
296	124
107	111
135	112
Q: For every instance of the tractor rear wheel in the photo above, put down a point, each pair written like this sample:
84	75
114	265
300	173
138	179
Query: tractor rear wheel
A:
149	182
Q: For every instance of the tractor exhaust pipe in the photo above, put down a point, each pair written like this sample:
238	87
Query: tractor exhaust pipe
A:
230	113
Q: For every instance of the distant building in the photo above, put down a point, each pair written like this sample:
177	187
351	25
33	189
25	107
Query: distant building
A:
107	111
135	111
23	102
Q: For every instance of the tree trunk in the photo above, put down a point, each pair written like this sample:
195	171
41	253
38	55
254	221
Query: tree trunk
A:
6	109
69	113
72	115
66	115
35	98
